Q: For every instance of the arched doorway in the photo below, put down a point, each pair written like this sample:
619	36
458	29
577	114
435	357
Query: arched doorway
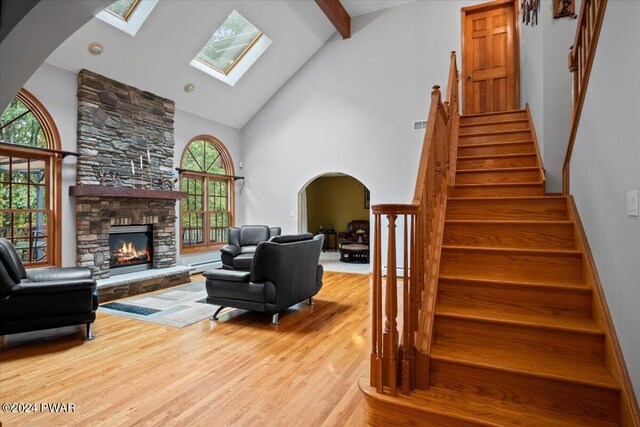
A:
338	205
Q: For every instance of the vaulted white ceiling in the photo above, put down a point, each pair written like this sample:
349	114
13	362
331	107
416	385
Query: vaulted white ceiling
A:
157	58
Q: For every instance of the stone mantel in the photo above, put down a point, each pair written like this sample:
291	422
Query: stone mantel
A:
124	192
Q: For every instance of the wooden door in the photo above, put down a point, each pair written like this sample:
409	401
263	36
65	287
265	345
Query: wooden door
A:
490	63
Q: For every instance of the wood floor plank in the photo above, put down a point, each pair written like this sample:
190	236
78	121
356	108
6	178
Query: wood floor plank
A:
239	371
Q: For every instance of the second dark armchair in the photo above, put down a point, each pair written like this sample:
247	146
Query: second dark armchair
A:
243	241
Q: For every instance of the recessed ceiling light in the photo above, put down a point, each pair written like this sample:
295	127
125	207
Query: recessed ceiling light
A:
95	48
189	87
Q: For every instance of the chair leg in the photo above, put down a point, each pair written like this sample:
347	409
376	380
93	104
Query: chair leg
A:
274	319
311	302
89	336
215	315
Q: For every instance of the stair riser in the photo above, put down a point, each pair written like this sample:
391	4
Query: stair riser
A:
494	127
518	115
521	135
502	148
514	299
490	177
529	340
510	235
529	267
535	209
499	191
558	396
498	162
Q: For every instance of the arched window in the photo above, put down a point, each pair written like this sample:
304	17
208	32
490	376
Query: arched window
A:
207	176
30	181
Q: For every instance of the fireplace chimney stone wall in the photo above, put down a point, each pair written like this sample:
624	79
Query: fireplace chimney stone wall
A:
116	125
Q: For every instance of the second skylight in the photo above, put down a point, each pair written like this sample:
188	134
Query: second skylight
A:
229	43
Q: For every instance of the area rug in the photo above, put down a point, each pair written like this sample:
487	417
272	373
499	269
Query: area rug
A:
179	306
331	262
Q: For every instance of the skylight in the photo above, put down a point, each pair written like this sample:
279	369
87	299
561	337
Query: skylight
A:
232	49
127	15
123	8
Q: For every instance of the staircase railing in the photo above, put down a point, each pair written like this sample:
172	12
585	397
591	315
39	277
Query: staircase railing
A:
581	58
402	358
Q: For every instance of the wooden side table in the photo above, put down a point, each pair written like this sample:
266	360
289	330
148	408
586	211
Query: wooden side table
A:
327	246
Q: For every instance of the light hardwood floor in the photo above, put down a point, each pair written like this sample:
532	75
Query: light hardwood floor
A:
239	371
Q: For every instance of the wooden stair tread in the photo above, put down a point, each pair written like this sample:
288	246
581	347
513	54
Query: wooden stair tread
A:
491	144
494	132
501	184
492	156
507	221
493	113
524	283
534	251
566	323
476	410
511	198
530	364
491	170
497	122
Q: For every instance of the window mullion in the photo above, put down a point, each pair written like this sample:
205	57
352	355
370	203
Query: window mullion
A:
205	207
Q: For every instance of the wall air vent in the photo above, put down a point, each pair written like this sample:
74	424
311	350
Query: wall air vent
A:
421	125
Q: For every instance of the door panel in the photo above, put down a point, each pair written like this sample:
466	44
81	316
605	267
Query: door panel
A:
490	58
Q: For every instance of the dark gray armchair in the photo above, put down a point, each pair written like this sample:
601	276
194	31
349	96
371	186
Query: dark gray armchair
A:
238	254
44	298
285	271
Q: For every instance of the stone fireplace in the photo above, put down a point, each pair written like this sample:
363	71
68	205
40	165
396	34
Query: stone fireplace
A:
120	128
96	217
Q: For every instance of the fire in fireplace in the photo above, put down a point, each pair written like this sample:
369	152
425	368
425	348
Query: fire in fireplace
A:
131	248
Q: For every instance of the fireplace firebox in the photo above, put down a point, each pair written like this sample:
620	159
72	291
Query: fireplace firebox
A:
130	248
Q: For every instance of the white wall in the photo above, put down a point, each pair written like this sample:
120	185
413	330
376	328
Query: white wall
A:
350	109
606	164
30	35
56	89
546	85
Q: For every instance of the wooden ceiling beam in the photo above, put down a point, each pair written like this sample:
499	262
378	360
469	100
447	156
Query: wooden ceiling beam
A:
338	16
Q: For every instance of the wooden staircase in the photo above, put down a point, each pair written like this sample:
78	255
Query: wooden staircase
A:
514	340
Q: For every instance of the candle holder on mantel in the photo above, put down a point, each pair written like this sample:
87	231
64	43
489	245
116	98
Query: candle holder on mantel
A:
115	179
101	175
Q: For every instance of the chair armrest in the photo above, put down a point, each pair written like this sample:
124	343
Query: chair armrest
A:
59	274
232	250
53	287
228	275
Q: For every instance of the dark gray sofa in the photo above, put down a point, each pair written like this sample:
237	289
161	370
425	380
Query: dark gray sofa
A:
284	272
238	254
44	298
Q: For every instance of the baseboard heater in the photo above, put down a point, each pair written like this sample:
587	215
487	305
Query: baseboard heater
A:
199	267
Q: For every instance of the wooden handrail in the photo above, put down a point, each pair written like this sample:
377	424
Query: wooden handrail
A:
581	58
422	222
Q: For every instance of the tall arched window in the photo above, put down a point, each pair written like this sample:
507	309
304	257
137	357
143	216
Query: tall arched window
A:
207	176
30	181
